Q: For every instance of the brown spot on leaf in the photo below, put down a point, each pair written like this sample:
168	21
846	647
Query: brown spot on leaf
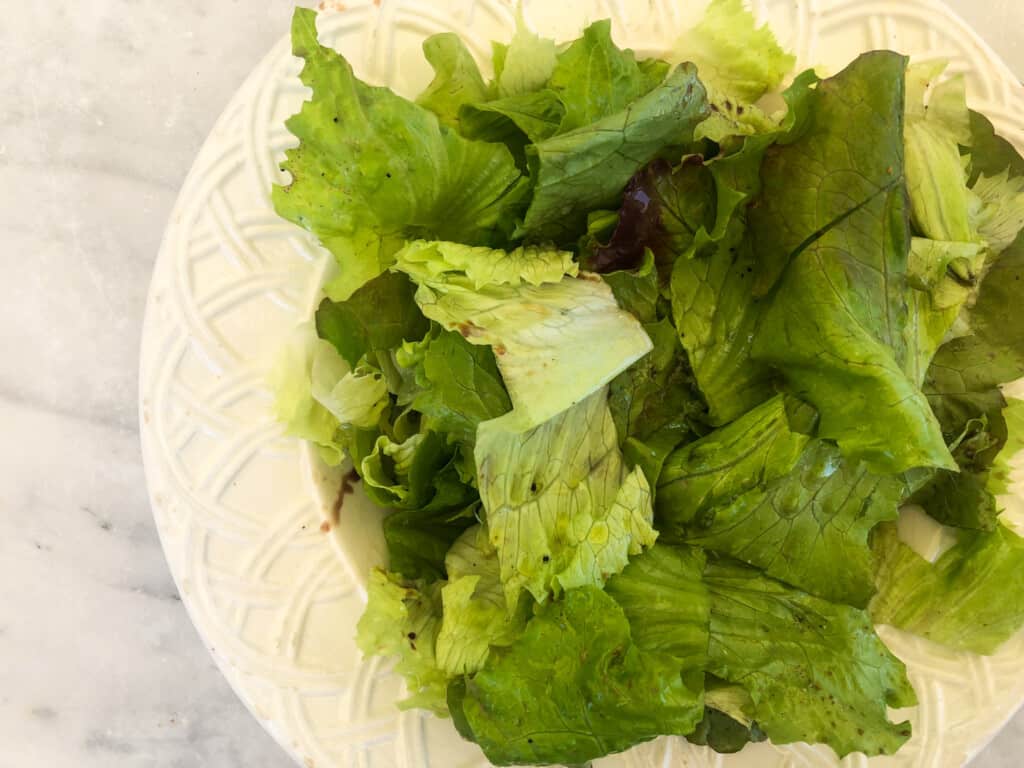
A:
325	527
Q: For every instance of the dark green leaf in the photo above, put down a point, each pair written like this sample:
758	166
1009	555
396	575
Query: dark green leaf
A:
815	671
831	233
378	317
774	498
575	687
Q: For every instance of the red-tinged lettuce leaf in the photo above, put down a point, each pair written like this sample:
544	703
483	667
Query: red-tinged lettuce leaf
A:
587	168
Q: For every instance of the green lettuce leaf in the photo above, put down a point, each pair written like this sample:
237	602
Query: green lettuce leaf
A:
809	529
575	687
372	169
722	733
379	316
833	246
779	500
515	120
476	616
594	78
403	618
738	63
655	403
998	213
419	539
526	63
1001	470
964	378
815	671
637	290
457	385
418	474
946	275
663	596
586	169
963	499
737	59
936	175
562	509
356	397
295	407
457	80
970	599
542	332
437	262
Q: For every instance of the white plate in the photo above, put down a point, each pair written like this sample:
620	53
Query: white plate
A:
236	503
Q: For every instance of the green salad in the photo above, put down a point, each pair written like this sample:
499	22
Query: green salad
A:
644	356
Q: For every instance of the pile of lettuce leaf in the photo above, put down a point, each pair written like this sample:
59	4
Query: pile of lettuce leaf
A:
644	356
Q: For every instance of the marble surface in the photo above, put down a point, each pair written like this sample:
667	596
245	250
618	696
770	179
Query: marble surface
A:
105	103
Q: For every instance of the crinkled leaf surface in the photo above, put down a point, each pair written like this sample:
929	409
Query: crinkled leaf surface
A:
575	687
815	671
832	234
372	168
562	509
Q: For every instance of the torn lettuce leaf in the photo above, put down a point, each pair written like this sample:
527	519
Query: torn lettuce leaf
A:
562	508
832	245
946	276
356	397
723	733
970	599
457	385
574	687
933	133
295	407
664	597
594	78
587	168
964	378
526	63
540	324
457	79
738	62
377	317
963	499
514	120
779	500
436	262
361	170
402	619
815	671
735	57
998	211
636	290
476	616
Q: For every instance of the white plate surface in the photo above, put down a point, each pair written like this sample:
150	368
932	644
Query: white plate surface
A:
238	504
